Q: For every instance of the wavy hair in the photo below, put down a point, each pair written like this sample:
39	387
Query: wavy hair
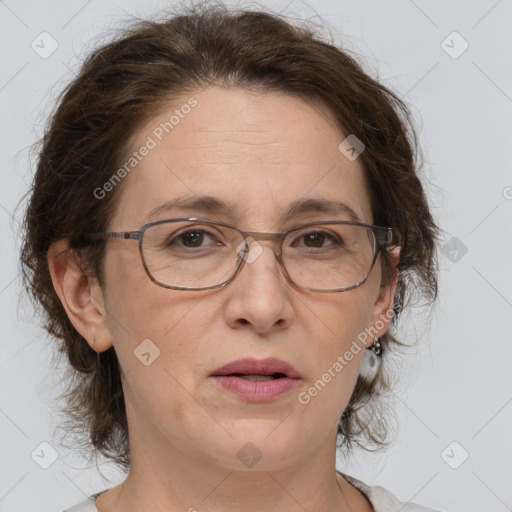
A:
120	86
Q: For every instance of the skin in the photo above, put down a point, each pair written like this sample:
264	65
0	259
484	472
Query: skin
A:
261	150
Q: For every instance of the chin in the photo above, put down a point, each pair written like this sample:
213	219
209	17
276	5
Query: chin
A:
259	445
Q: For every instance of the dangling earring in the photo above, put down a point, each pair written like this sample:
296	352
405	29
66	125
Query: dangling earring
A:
371	361
376	347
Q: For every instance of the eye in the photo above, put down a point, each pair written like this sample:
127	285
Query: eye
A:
317	239
190	238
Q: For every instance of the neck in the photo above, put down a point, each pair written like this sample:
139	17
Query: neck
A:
167	479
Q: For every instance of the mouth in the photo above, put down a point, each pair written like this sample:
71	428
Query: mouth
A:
258	378
255	380
257	369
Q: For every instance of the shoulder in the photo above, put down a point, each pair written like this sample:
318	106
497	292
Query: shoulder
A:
88	505
382	500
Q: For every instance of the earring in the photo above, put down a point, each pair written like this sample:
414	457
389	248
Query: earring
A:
371	362
376	347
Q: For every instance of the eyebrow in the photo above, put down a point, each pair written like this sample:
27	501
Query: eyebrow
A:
209	204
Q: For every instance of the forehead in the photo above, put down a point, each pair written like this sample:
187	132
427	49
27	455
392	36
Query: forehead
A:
257	152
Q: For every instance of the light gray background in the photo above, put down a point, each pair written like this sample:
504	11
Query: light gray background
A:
457	384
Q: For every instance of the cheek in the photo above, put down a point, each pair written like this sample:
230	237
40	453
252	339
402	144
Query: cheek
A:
350	318
342	319
335	327
142	317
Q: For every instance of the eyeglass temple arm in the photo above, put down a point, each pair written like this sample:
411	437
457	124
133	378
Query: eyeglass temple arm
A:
124	235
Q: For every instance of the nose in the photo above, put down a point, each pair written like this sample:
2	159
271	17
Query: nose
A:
259	297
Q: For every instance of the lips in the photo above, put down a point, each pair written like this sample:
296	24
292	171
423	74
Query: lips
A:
253	380
270	366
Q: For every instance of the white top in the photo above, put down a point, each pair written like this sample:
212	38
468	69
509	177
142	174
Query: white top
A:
381	500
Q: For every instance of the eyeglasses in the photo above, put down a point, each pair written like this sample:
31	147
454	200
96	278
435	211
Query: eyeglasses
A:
199	254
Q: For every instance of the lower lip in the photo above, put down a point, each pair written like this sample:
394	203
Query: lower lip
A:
256	391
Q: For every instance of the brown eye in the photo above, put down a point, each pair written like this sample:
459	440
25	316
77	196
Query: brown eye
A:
193	238
317	240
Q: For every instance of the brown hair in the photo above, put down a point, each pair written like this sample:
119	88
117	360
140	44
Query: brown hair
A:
124	83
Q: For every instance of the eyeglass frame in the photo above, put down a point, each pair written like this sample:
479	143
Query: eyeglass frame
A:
385	238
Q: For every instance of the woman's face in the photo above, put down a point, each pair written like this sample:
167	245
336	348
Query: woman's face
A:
258	152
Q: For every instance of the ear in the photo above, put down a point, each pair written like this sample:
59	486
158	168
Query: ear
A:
382	311
81	296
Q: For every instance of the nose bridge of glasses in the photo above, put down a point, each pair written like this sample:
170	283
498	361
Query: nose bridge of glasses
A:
255	236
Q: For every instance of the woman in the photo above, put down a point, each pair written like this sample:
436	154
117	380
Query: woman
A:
225	223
